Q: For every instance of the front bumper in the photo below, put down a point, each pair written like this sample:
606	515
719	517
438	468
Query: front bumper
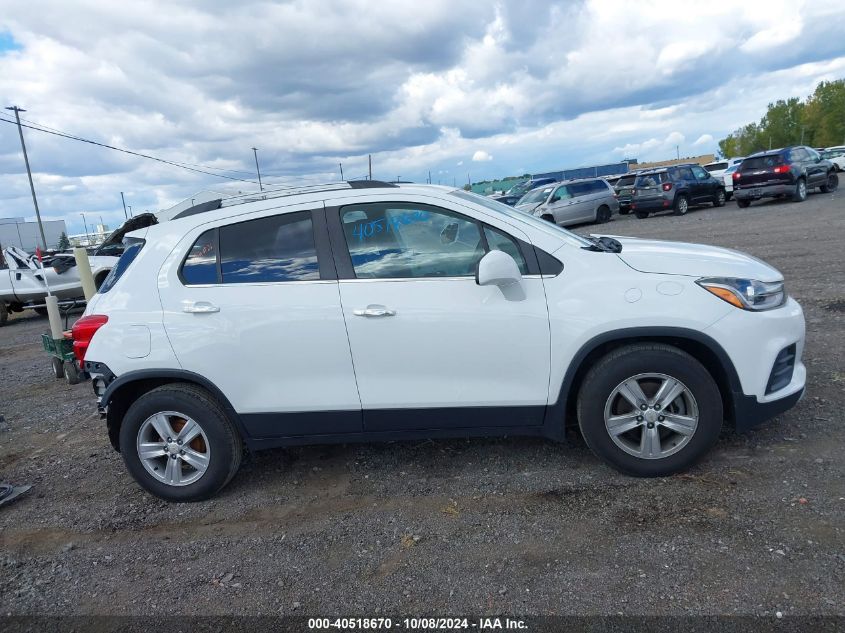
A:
749	412
764	191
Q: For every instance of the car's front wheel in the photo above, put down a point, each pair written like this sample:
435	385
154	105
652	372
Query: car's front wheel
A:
649	410
179	444
603	214
831	184
719	198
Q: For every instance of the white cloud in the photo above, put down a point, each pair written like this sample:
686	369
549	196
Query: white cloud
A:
202	82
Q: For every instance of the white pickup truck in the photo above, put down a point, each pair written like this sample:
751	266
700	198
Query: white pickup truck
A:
23	282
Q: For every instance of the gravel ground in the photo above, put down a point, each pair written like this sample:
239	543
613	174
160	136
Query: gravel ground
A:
450	527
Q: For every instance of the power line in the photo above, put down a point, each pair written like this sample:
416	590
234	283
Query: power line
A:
128	151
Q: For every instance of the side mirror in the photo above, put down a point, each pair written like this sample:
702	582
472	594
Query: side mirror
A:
497	268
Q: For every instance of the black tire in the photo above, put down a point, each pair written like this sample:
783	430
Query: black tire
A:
719	198
681	205
642	215
603	214
641	358
832	183
58	367
548	218
729	195
4	313
800	192
743	204
71	372
625	211
41	311
225	444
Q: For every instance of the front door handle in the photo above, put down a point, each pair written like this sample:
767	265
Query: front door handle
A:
199	307
374	310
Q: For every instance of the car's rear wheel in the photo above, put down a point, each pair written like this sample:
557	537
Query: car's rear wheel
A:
743	204
800	193
649	410
719	198
729	195
642	215
603	214
832	183
624	211
681	205
179	444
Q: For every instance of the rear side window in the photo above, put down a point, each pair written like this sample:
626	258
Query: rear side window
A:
277	248
131	249
267	250
580	189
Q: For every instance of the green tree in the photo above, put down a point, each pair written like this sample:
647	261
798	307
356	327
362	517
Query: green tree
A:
824	114
64	242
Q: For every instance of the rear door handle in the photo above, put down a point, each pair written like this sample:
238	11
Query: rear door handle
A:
199	307
374	310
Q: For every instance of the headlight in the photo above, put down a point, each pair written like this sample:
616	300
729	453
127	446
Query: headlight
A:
747	294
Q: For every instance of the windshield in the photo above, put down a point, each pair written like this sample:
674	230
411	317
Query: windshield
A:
518	189
538	195
833	153
716	166
537	223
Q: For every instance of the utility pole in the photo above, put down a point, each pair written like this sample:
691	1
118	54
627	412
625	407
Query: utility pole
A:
123	200
130	210
87	242
678	151
257	170
469	182
429	176
802	135
341	170
370	161
17	112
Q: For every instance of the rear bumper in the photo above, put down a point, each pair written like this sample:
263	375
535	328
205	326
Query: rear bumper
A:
764	191
651	204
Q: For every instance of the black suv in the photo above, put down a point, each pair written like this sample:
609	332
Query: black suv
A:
791	171
676	188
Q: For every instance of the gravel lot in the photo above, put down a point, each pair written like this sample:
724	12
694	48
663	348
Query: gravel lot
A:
450	527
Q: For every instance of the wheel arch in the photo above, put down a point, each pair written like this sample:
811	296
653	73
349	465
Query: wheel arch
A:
698	345
125	390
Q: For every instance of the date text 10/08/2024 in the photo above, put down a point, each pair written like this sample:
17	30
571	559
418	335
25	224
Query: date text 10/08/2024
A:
417	623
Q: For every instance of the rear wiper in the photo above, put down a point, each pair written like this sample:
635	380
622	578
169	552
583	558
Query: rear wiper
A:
603	244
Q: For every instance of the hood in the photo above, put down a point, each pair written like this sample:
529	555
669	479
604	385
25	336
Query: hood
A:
528	208
693	260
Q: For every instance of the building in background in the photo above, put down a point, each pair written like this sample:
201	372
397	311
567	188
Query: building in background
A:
25	235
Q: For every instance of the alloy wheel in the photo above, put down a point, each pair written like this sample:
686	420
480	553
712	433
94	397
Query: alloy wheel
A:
651	416
173	448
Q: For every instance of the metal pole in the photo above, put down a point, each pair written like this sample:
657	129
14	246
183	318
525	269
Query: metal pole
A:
130	210
370	160
257	169
678	151
87	243
123	200
17	112
341	170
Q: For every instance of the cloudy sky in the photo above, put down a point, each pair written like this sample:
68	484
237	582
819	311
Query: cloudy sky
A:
455	87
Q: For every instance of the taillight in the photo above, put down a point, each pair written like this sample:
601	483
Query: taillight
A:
781	169
83	331
667	186
736	175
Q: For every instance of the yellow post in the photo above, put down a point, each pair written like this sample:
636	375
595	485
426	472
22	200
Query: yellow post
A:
85	275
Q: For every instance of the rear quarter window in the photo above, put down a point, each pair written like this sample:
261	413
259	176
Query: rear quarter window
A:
130	251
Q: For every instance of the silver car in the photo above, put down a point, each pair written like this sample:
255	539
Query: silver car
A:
572	201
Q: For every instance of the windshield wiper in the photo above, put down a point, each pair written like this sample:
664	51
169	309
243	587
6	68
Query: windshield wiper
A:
603	244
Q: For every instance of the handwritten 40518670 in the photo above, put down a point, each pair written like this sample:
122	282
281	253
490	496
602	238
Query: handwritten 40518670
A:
364	230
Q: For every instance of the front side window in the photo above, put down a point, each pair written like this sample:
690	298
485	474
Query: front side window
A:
498	241
561	193
700	173
400	240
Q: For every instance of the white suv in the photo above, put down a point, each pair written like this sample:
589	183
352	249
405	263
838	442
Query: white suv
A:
369	311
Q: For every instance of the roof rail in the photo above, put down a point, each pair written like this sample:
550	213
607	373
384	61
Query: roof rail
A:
294	190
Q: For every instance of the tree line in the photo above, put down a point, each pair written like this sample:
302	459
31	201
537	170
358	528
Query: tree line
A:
817	121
